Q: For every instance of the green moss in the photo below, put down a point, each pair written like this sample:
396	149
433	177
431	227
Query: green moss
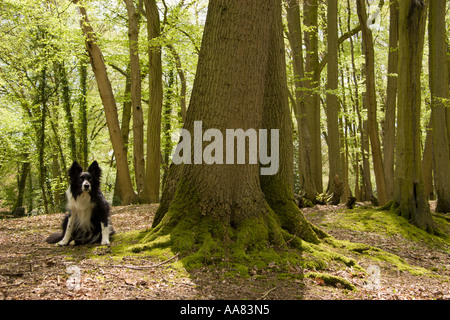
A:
374	254
331	280
390	224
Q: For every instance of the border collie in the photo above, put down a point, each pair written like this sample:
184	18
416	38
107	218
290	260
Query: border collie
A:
88	220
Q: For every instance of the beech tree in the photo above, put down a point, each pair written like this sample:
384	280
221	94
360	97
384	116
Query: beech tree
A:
371	102
391	101
410	198
206	207
304	149
136	96
109	103
151	190
439	94
312	99
336	172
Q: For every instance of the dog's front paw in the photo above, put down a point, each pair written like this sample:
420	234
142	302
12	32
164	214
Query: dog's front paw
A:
105	243
62	243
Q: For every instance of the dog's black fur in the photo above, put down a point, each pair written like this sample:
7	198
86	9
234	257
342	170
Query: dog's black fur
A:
89	212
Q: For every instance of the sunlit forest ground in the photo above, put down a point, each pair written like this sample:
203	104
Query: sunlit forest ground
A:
394	260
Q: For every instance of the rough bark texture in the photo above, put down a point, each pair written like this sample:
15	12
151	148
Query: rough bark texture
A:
304	150
138	115
391	101
334	147
152	175
221	209
310	14
371	102
439	91
410	199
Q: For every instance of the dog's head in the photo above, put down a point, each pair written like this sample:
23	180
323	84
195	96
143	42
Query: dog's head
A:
81	181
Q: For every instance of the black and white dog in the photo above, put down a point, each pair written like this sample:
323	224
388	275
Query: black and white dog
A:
88	220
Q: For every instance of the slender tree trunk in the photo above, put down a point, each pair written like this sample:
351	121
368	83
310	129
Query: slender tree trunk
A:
447	110
427	163
371	102
41	143
124	130
138	116
312	101
109	104
152	175
304	137
167	116
67	110
410	199
391	101
83	122
334	147
18	209
439	91
227	205
182	77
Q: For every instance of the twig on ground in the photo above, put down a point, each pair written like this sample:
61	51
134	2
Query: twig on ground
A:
143	267
267	293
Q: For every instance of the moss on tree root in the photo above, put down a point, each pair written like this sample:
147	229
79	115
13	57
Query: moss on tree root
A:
275	237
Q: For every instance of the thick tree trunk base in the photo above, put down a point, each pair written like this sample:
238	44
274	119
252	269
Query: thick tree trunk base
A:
202	237
442	206
414	215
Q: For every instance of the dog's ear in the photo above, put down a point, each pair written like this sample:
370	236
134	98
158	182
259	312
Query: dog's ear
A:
95	170
75	170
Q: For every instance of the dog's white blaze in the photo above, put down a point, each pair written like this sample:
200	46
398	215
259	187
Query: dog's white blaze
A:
81	209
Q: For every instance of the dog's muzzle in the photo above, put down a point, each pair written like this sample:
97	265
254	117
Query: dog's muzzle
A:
86	186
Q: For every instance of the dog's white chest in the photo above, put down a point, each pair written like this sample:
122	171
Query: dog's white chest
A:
81	208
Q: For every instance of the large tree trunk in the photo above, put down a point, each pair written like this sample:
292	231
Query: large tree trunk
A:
391	101
410	199
370	100
439	92
304	137
334	147
152	174
109	104
207	208
138	116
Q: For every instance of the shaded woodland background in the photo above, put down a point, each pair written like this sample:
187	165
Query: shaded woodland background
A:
343	79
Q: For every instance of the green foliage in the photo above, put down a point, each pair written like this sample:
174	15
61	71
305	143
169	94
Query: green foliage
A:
39	40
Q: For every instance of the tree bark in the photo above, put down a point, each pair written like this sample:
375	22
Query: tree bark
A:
370	100
124	129
83	131
312	101
439	92
410	199
391	101
304	136
109	104
152	173
228	208
138	116
18	209
332	107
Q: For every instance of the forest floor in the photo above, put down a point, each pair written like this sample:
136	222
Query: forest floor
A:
30	269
